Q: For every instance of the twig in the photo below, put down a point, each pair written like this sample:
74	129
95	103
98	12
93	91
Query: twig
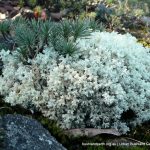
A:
90	132
5	108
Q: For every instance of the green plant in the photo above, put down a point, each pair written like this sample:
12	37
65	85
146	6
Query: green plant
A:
32	3
65	47
55	35
103	14
66	29
80	29
21	3
45	30
4	45
26	39
94	25
5	29
30	37
78	6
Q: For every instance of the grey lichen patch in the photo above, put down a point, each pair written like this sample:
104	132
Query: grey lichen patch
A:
43	138
26	133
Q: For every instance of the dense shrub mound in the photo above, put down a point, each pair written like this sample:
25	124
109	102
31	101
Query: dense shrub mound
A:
105	84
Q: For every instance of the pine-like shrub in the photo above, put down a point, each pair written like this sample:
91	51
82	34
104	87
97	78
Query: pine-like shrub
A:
105	84
29	38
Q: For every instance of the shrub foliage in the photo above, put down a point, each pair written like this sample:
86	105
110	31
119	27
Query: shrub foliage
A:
30	37
104	83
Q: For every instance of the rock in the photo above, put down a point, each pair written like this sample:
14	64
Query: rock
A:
2	134
26	10
13	13
18	15
8	8
23	133
2	10
2	16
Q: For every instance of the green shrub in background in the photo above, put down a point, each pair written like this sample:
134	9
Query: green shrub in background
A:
103	14
122	14
31	3
142	7
57	5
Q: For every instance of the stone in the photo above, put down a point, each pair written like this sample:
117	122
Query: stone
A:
2	16
2	135
23	133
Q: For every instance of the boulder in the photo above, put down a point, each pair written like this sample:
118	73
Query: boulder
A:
23	133
2	16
